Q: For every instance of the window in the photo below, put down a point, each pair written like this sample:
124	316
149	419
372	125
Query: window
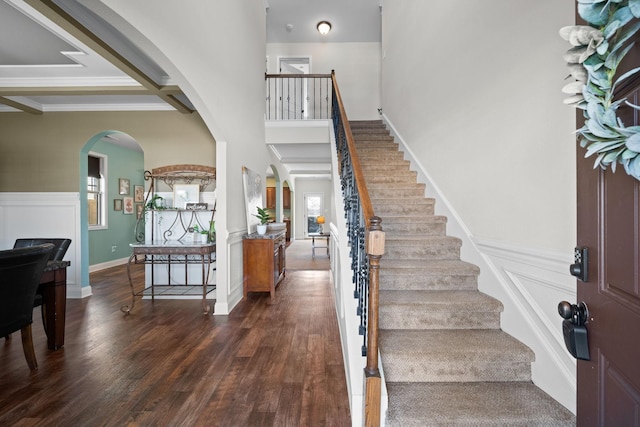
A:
313	208
97	191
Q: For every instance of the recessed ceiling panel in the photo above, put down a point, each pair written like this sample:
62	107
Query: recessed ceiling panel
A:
31	44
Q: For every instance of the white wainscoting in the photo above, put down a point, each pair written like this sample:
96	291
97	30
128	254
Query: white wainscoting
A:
45	215
231	292
535	281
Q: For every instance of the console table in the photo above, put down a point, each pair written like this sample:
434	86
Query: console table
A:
172	252
315	236
53	284
264	261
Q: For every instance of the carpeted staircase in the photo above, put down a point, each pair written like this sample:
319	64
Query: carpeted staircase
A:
445	359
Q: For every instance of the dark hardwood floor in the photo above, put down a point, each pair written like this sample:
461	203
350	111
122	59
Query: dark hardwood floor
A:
266	364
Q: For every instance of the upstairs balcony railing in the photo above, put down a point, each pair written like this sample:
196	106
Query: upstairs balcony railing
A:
316	96
298	96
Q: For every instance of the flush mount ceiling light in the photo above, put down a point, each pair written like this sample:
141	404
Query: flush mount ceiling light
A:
324	27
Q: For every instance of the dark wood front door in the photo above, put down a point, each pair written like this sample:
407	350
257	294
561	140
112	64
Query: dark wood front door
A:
609	226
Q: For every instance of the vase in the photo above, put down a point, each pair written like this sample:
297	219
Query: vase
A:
262	229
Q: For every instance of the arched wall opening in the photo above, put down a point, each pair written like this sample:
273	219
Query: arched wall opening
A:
107	244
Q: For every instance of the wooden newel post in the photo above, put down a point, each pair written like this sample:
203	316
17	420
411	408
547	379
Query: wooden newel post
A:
375	250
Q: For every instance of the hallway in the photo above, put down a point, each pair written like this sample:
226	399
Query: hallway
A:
267	363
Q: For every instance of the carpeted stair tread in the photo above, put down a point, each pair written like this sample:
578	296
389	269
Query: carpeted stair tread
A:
377	201
456	345
453	355
390	186
379	153
427	267
413	216
373	122
396	192
378	139
427	275
421	247
443	300
404	177
403	209
409	201
386	168
411	246
410	228
405	173
519	404
361	127
417	239
377	164
437	309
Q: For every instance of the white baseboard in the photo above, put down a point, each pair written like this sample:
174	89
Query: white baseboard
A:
103	266
74	291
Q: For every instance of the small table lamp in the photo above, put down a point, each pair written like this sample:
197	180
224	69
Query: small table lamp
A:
320	221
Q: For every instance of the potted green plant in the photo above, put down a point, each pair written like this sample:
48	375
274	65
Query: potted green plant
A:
202	234
264	217
156	202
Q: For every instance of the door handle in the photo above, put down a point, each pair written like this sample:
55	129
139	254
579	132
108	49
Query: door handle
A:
573	328
576	313
581	264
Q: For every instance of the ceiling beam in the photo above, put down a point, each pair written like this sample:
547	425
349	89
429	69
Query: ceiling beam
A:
19	105
318	159
56	14
73	90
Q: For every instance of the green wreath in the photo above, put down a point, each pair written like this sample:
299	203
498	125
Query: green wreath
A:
598	50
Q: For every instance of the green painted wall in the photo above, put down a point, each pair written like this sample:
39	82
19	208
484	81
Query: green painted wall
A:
121	163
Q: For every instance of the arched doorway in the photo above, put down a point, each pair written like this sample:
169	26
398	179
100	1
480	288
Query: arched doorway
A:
110	200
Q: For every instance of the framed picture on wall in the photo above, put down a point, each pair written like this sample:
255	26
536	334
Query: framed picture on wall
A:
123	185
185	193
117	204
138	193
128	205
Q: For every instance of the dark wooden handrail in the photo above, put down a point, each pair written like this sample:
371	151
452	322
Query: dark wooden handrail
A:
374	247
365	201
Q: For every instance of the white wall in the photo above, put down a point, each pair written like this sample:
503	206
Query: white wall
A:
474	89
357	67
303	186
215	52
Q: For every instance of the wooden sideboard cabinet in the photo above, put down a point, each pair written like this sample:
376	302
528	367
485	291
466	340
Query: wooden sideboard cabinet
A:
286	197
287	222
271	197
264	260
